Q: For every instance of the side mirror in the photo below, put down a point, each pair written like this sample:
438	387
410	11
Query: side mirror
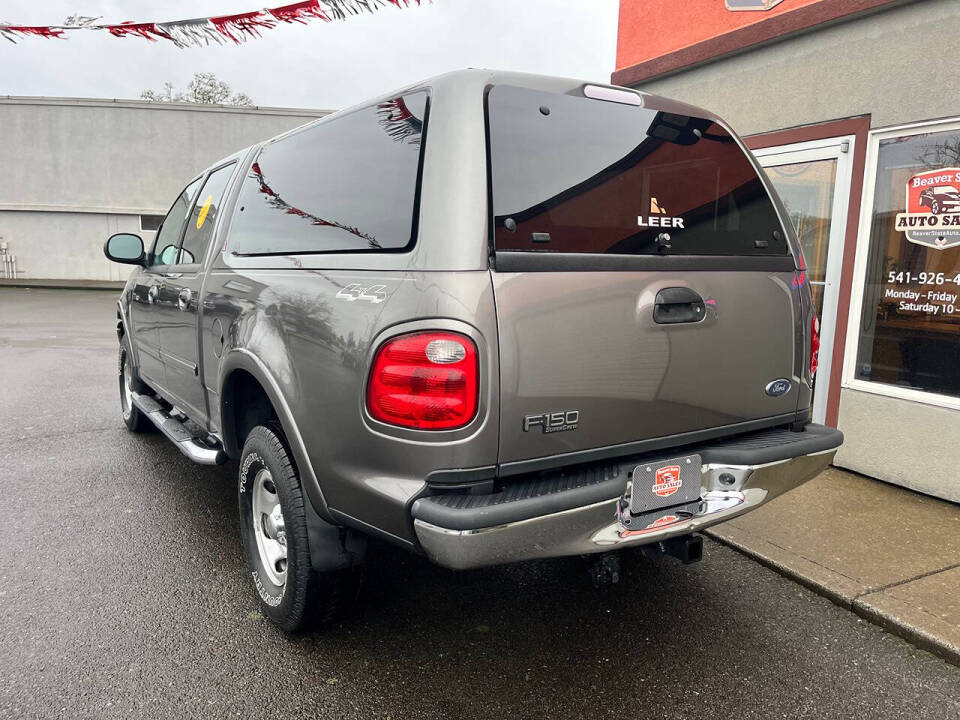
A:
167	256
125	248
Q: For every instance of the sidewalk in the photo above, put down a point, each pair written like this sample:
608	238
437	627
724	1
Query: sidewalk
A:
889	554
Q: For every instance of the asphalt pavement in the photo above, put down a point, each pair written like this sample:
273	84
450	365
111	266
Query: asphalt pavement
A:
123	594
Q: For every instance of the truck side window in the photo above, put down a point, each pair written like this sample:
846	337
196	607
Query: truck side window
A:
347	184
203	218
168	237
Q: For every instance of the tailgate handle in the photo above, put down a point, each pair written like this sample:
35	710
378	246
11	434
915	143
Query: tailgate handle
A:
677	305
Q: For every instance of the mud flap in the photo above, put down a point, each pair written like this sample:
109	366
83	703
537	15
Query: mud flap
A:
332	547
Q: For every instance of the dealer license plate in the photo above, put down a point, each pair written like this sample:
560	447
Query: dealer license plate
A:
665	483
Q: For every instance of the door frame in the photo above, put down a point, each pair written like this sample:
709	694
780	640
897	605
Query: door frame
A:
858	128
837	149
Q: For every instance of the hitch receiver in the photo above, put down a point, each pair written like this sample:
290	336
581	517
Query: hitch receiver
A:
686	548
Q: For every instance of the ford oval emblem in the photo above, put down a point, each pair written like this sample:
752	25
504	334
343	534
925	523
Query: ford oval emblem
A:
778	387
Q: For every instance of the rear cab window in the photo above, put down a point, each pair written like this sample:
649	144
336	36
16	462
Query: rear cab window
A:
570	174
346	185
203	218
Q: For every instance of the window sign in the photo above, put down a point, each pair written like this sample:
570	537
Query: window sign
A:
752	4
910	321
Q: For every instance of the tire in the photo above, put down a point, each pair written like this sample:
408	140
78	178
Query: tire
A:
935	207
135	420
273	525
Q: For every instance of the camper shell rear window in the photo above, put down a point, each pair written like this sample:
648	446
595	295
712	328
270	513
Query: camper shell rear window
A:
570	174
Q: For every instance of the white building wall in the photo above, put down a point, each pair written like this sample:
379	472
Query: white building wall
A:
76	171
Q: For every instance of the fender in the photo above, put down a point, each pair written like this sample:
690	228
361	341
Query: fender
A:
243	359
125	323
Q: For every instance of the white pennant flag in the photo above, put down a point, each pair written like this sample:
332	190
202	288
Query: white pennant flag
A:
191	33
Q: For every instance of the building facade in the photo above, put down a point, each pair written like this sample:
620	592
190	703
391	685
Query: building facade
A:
848	106
76	171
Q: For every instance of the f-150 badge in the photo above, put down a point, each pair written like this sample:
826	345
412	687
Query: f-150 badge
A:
552	422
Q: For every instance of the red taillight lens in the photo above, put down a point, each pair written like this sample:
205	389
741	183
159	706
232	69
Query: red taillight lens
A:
424	380
814	345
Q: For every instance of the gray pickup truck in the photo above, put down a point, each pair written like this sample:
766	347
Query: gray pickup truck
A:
489	318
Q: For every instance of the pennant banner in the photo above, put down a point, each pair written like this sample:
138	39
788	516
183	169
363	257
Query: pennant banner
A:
210	30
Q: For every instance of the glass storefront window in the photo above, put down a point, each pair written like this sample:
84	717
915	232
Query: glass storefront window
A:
910	323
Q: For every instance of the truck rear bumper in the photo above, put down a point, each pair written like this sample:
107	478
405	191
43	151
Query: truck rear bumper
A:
446	536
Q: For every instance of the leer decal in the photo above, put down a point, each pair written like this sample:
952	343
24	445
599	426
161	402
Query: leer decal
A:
658	217
667	481
932	216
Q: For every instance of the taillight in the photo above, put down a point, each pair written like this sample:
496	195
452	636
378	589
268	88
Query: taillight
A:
425	380
814	345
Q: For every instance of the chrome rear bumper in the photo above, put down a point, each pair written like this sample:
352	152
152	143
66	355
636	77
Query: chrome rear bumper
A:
600	526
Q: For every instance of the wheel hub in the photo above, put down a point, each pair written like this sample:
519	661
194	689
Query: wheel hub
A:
269	528
126	386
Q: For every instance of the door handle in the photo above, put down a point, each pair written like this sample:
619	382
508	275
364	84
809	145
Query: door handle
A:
678	305
152	294
183	299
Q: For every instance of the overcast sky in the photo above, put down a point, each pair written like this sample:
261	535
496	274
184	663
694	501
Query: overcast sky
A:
320	65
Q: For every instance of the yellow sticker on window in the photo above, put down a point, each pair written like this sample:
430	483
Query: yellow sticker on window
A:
203	211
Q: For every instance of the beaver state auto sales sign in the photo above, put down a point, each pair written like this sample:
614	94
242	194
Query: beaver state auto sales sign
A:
933	209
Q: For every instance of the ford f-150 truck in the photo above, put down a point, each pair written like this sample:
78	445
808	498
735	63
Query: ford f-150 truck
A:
489	318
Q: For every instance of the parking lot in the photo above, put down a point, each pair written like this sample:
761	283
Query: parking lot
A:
124	594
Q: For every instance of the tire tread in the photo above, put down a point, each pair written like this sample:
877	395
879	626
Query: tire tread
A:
319	597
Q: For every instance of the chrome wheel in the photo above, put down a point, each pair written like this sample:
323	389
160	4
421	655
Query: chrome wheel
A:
269	528
126	387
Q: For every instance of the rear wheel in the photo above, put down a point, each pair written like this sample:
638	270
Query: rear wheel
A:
135	420
275	541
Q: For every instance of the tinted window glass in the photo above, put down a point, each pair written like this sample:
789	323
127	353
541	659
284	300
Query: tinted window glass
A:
168	239
345	185
196	239
572	174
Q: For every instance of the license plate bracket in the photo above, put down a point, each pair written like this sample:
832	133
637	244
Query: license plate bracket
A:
663	483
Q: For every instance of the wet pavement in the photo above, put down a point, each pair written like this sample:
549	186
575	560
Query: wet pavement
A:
123	594
889	554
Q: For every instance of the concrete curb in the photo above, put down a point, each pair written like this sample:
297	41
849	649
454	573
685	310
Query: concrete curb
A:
916	636
65	284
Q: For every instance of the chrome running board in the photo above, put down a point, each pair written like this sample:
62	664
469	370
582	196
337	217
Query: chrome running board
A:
194	448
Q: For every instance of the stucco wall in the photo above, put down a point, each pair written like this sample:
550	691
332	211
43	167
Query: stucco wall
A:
888	64
76	171
907	443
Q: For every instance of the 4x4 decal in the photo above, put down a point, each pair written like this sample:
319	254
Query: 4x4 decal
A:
355	291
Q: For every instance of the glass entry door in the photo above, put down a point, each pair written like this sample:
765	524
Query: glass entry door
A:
813	180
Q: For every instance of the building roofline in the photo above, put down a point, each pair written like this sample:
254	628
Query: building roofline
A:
805	18
149	105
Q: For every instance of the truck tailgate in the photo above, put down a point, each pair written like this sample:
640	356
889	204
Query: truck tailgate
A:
585	344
